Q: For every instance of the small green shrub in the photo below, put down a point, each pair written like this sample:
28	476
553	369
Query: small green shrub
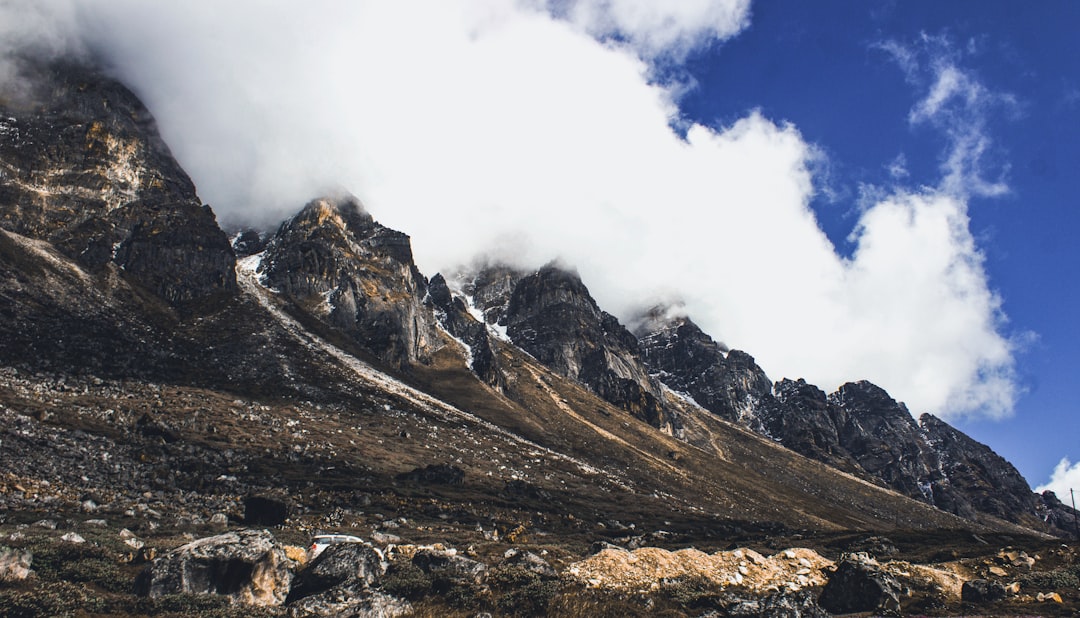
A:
532	599
406	581
1057	579
690	591
54	599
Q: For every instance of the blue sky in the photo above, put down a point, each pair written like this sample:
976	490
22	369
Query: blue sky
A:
846	190
820	66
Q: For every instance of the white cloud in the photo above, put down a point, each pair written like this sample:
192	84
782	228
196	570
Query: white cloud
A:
1066	476
957	104
484	125
657	29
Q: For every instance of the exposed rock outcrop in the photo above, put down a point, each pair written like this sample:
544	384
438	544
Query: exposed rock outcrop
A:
859	429
456	319
727	383
551	315
83	167
342	267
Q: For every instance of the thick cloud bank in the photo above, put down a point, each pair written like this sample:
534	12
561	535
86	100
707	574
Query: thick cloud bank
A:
533	130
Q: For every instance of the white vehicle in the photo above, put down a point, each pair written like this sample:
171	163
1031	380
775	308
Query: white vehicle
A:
321	541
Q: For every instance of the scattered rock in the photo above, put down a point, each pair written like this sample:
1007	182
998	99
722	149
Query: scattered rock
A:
1049	596
642	569
72	537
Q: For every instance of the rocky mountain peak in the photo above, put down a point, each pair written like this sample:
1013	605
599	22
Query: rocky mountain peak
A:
82	166
728	383
342	267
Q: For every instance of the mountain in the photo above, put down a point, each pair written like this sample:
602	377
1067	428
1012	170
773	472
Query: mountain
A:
152	381
858	429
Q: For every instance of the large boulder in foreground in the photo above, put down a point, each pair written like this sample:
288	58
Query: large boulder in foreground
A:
339	583
246	565
860	584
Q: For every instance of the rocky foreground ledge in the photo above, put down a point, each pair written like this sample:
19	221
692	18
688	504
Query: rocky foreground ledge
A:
70	566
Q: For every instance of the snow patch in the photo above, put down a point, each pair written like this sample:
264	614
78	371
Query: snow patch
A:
250	284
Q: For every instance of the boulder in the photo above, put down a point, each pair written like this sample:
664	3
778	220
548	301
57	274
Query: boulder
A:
343	563
350	601
15	564
860	585
780	605
982	591
248	566
528	561
435	474
338	583
264	511
448	564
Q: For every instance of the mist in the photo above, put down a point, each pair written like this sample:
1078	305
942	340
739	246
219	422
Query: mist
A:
537	131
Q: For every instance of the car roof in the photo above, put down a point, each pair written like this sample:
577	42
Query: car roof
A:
338	537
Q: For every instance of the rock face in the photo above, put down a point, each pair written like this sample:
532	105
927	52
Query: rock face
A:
881	435
551	315
454	316
727	383
978	478
859	429
83	167
355	275
247	565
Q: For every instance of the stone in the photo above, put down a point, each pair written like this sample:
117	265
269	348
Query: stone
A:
982	591
15	564
350	601
73	537
248	566
435	474
337	565
860	585
339	583
265	511
385	538
529	562
448	564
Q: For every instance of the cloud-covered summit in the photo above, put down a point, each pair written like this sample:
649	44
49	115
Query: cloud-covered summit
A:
477	126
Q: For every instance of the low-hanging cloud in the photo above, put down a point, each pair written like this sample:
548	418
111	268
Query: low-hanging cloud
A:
536	128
